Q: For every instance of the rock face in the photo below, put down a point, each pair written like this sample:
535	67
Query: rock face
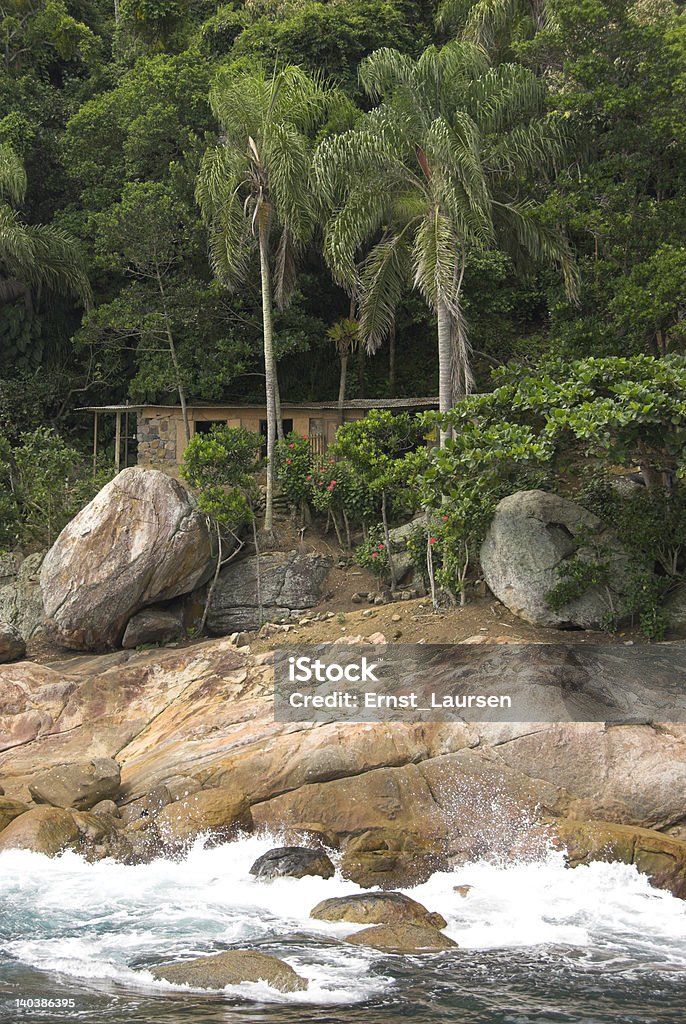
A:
140	541
12	644
376	908
403	938
152	626
9	810
531	535
289	583
294	862
402	559
221	813
232	968
47	830
21	601
194	732
80	786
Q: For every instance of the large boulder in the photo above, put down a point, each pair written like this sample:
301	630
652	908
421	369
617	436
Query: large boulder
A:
531	536
232	968
661	857
376	908
79	785
221	813
290	582
12	645
47	830
403	938
141	540
21	601
293	862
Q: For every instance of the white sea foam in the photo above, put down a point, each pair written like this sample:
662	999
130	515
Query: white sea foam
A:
110	922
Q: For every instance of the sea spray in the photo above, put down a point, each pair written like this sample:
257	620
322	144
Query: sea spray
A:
93	930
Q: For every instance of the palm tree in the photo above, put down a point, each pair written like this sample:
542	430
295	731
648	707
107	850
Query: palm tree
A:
345	334
257	193
435	172
485	22
33	257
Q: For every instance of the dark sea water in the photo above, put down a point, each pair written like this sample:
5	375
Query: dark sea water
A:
539	944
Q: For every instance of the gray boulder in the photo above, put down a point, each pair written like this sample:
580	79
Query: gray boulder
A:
402	559
21	601
530	537
294	862
80	786
290	582
232	968
152	626
12	646
140	541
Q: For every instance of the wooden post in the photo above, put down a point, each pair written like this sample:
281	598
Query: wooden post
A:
95	443
117	442
126	439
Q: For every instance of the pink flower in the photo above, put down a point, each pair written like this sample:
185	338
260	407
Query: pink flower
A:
432	540
374	554
333	483
305	437
291	445
380	547
330	487
444	518
321	483
309	476
288	462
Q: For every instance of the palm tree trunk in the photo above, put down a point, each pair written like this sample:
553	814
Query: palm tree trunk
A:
175	362
341	387
269	370
445	374
277	403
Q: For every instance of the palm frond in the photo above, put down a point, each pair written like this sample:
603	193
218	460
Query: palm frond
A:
288	155
364	213
529	148
12	175
503	95
284	269
57	263
383	277
523	235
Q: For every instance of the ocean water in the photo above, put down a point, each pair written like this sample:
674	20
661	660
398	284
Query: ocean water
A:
539	944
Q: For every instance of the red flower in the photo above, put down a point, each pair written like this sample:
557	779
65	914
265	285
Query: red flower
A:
374	554
309	476
321	483
432	540
380	547
333	483
445	518
288	462
305	437
291	445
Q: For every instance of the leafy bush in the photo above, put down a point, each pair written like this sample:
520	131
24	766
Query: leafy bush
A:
372	553
45	483
222	465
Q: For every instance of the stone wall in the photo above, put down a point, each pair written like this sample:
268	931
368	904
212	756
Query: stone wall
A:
156	439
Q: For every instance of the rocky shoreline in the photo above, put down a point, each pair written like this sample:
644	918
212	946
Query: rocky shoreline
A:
196	750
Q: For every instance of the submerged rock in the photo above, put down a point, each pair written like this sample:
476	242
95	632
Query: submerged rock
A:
376	908
403	938
232	968
140	541
222	813
293	861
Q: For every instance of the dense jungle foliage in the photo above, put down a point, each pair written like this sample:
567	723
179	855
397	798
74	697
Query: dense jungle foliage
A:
353	197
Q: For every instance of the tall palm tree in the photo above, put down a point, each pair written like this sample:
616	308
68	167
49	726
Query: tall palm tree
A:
485	22
345	335
33	257
436	171
257	193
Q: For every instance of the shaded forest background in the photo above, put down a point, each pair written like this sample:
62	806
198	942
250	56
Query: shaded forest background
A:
107	108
